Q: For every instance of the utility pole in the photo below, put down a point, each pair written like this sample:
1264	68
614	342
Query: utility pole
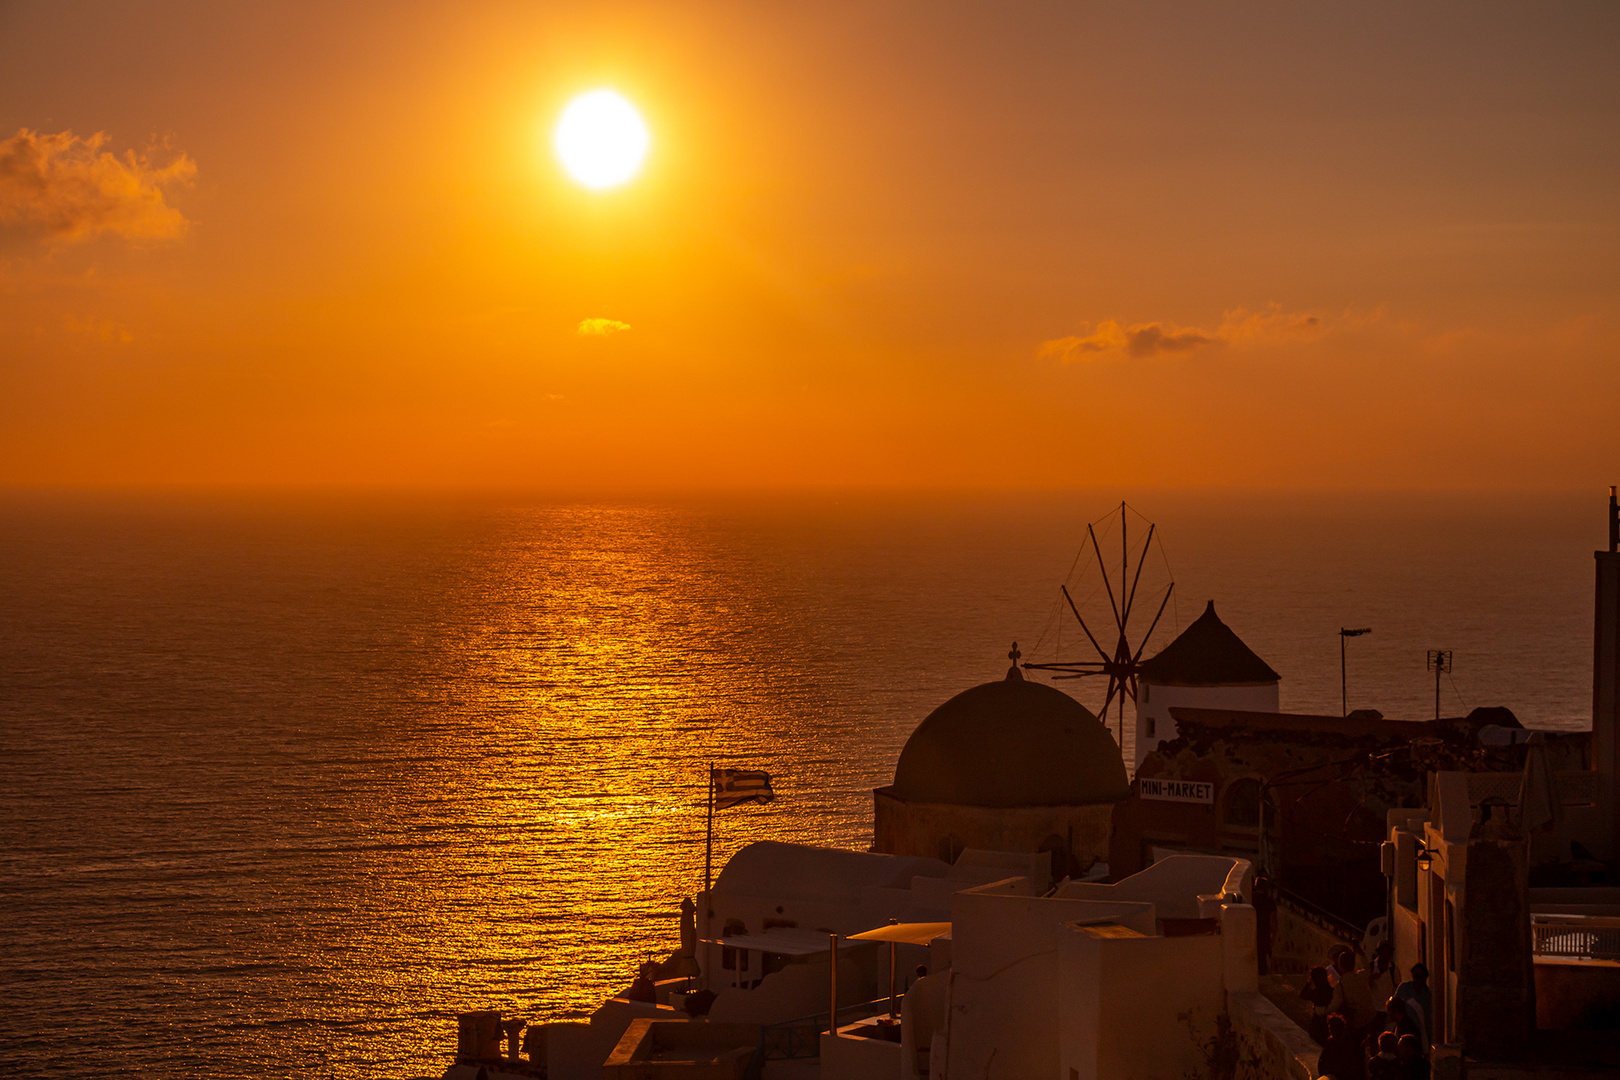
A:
1344	671
1439	663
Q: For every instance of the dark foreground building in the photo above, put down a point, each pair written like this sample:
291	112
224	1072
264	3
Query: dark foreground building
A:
1307	797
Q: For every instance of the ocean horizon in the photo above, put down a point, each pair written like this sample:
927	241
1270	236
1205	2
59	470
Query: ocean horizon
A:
293	779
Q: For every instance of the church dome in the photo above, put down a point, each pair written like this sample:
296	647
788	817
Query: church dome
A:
1011	743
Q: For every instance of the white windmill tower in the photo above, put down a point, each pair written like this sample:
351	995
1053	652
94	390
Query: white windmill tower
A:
1207	667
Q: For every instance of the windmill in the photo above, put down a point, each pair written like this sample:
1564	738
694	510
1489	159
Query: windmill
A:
1121	662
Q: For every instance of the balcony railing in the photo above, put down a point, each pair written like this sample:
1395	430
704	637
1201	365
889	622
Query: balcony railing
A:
801	1038
1586	937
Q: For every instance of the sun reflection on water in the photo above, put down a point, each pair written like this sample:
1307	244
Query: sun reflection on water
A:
286	790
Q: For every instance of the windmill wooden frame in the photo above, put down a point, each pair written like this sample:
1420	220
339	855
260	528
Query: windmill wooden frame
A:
1122	666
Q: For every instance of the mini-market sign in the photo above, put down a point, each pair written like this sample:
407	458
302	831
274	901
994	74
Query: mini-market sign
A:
1194	791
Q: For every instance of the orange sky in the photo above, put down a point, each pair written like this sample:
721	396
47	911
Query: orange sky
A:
1313	246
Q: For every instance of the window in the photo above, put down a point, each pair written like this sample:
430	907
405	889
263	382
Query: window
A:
1240	809
1150	726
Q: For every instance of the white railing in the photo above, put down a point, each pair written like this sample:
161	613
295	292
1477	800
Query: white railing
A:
1589	937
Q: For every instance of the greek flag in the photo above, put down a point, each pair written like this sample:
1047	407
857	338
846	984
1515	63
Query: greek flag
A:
733	787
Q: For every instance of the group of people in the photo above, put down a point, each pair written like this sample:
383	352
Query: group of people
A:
1370	1027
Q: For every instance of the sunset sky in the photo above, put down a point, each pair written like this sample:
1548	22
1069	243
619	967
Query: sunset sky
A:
1280	245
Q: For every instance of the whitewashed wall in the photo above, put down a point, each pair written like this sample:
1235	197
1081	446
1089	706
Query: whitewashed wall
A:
1153	704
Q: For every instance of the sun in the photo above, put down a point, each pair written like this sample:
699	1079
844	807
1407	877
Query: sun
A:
601	139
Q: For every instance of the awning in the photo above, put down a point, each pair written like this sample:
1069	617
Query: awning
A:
782	941
905	933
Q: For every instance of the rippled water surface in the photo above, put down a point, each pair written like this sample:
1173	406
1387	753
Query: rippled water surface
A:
286	783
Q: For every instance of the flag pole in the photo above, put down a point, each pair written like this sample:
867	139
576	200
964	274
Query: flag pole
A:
708	853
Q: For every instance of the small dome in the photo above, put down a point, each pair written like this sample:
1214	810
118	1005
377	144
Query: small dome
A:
1011	743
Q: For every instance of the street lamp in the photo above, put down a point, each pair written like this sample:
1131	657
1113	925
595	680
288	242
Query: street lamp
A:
1344	678
1440	664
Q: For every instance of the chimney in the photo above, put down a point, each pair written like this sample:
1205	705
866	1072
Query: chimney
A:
1606	678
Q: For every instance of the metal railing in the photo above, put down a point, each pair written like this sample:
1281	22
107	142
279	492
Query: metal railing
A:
1588	937
1341	928
801	1037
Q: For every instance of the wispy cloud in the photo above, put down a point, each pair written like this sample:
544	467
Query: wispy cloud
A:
1240	326
1141	339
601	327
59	187
100	329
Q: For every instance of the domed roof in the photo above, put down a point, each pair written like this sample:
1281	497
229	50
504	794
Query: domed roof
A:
1011	743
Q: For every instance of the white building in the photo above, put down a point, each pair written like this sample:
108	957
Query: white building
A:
1085	983
1207	667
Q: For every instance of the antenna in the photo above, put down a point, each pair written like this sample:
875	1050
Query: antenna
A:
1439	663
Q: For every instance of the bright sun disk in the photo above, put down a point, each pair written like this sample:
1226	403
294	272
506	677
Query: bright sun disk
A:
601	139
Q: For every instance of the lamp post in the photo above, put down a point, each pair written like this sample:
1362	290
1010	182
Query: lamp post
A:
1344	673
1439	663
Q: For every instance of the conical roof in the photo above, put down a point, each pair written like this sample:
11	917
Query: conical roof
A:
1208	653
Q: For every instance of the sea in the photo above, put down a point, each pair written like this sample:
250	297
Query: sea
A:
289	780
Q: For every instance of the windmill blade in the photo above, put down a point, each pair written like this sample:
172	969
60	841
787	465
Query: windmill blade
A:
1090	667
1083	625
1113	688
1106	583
1147	636
1124	563
1130	601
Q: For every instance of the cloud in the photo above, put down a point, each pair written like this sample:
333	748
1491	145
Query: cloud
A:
1238	327
100	329
1142	339
1241	325
601	327
63	188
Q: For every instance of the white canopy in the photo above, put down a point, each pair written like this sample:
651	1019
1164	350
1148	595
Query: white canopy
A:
781	940
905	933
